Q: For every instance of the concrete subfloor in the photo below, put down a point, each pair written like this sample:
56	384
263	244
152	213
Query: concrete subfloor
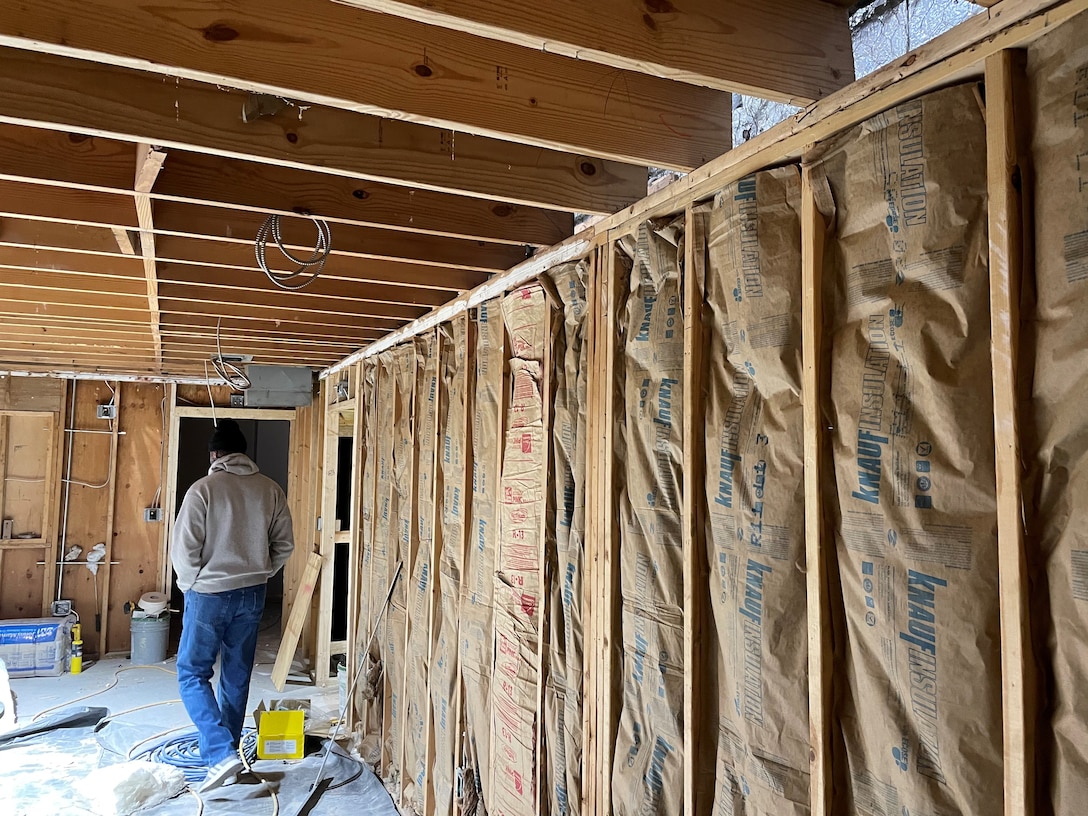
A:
43	776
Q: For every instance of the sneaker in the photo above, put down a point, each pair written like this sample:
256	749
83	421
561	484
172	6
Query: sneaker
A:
223	773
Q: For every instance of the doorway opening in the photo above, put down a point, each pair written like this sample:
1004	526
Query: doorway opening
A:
268	445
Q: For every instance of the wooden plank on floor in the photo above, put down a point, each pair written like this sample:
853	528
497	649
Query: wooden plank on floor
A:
1007	173
296	620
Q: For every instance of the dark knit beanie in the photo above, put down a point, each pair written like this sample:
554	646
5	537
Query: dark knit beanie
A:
227	438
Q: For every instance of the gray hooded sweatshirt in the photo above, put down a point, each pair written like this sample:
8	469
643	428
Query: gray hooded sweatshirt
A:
234	529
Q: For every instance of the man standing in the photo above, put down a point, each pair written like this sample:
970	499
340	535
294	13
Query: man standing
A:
232	534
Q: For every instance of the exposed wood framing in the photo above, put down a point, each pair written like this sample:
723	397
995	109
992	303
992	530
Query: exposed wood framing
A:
111	514
956	55
608	555
300	609
70	95
819	547
457	80
718	45
355	543
696	691
1009	225
597	390
148	165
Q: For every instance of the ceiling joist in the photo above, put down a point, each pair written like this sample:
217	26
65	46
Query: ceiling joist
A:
792	51
250	187
81	97
320	52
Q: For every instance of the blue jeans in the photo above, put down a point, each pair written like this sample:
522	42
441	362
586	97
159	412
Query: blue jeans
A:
218	624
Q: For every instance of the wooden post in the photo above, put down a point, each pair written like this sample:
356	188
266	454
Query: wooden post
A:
608	558
1006	145
111	508
813	229
591	601
696	587
327	545
435	578
51	513
169	499
355	545
466	537
409	568
547	382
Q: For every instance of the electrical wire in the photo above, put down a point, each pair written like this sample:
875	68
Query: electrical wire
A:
312	265
116	680
211	399
229	372
162	448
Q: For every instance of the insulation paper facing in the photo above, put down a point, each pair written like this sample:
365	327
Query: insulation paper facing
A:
1055	425
648	765
906	305
747	245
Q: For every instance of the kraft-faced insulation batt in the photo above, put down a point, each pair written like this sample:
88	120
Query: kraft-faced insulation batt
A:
566	663
519	586
912	501
418	699
1056	424
748	244
647	776
477	592
452	488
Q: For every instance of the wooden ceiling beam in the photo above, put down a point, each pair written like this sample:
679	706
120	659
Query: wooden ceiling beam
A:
179	303
271	328
200	178
75	96
217	297
792	51
247	186
386	66
197	234
61	306
16	231
247	282
239	227
191	251
70	205
149	161
26	284
77	335
77	263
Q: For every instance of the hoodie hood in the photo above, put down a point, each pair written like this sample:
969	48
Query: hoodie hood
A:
237	463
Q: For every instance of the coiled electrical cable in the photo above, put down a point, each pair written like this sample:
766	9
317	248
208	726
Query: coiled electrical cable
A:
184	752
307	268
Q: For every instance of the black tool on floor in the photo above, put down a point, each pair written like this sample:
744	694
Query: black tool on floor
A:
320	783
68	718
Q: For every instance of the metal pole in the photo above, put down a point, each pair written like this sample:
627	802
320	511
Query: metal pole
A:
63	543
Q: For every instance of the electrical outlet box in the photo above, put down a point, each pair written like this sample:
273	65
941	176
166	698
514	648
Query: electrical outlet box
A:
61	609
8	529
152	514
237	401
107	411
